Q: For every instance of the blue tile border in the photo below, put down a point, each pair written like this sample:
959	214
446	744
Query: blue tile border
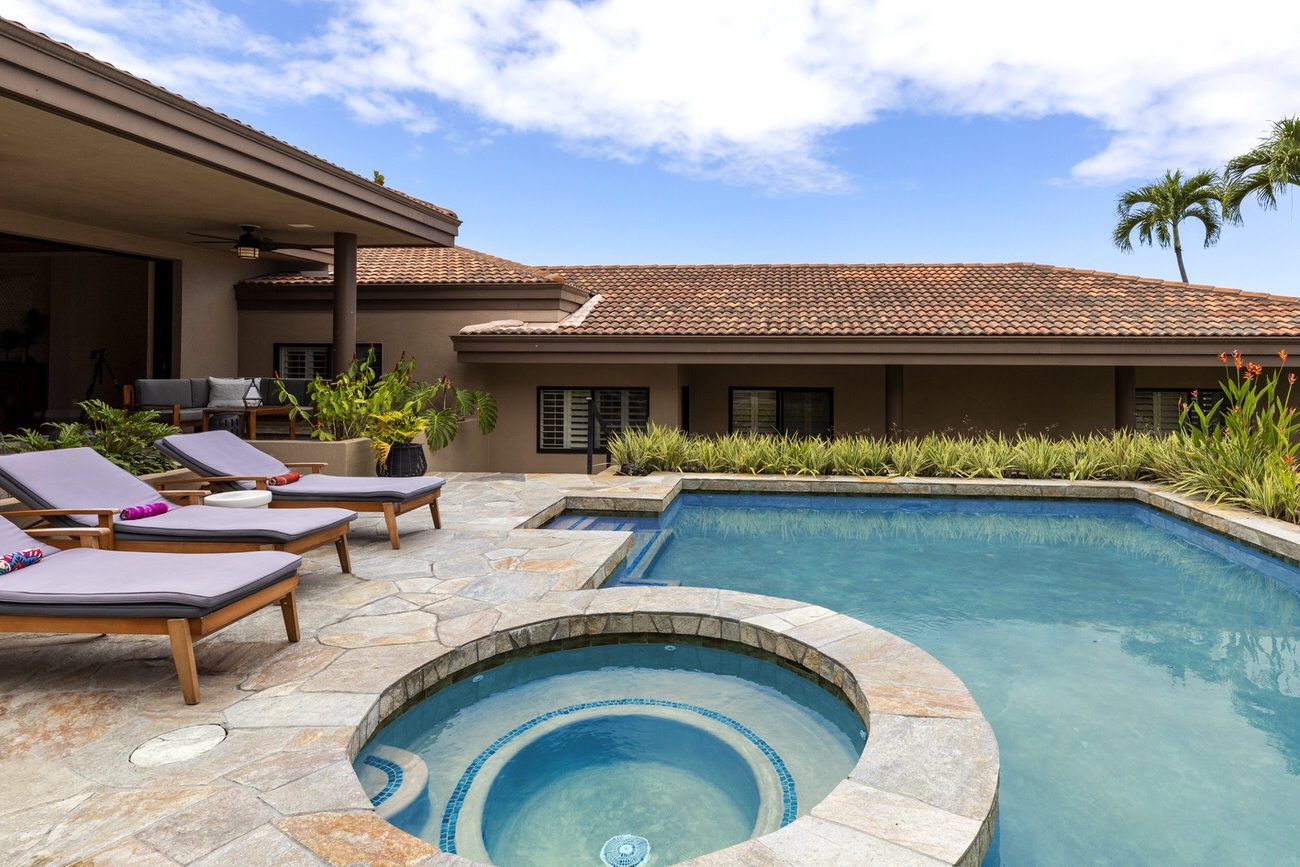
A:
394	772
450	816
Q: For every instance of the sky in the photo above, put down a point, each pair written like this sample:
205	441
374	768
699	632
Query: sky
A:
567	132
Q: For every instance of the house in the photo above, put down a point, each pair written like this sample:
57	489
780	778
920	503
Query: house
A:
811	349
142	234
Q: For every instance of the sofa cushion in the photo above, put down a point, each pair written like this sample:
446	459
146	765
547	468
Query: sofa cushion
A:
166	392
231	392
199	391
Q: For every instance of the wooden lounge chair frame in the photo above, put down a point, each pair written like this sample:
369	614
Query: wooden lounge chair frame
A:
390	509
337	535
182	632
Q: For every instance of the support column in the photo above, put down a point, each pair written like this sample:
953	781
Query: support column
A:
345	300
1125	398
893	401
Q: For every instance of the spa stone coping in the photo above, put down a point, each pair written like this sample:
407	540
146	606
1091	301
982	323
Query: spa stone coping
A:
280	786
925	789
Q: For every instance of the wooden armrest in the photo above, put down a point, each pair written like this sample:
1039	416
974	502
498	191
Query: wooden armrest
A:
314	466
89	537
104	519
27	513
261	481
190	498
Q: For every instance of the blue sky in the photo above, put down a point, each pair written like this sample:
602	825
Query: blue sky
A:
739	131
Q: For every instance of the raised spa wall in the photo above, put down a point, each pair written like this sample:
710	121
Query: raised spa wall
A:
927	780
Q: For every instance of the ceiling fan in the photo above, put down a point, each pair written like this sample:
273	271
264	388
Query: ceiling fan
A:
250	245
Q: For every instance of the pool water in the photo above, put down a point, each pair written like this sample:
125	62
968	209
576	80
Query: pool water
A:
542	760
1142	676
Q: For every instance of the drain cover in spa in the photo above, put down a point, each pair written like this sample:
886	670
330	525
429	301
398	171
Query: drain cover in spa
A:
625	850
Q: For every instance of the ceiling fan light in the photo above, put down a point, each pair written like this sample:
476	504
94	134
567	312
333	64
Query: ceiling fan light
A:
248	246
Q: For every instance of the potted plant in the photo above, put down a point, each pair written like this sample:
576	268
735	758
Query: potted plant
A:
392	409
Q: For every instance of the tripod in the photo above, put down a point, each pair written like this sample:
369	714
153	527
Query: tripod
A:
97	374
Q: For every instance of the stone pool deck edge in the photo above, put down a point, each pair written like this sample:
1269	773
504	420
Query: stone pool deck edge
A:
279	788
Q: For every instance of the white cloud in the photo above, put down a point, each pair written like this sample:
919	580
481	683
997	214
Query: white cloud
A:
745	90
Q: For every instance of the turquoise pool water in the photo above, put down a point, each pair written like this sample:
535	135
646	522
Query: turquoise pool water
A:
542	760
1142	676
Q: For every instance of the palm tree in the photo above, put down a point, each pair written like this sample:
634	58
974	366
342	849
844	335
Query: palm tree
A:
1265	171
1155	210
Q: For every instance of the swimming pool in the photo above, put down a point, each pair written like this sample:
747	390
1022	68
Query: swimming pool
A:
1142	676
544	759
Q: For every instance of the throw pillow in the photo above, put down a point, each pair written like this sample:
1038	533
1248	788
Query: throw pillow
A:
19	559
148	510
231	392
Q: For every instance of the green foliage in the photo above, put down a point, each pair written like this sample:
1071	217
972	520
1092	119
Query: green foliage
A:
390	408
1265	172
125	438
1242	451
1156	210
1121	455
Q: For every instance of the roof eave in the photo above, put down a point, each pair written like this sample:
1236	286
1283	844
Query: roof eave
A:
550	348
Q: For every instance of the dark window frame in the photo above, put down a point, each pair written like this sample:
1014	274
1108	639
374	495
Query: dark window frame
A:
781	391
580	450
361	350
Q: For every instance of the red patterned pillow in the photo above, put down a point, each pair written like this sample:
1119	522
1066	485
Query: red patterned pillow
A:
19	559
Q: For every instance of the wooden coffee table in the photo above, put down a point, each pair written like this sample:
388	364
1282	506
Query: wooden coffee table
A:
249	416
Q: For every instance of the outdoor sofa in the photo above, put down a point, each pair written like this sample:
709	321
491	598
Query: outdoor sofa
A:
225	461
182	401
100	493
186	597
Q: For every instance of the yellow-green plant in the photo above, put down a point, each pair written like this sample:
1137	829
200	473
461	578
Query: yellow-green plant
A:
391	408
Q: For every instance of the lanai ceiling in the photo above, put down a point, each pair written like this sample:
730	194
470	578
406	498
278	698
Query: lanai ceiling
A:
84	142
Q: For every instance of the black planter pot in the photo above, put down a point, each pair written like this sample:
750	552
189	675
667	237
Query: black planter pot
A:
404	459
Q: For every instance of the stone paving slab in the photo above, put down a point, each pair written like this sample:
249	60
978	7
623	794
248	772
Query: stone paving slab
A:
278	788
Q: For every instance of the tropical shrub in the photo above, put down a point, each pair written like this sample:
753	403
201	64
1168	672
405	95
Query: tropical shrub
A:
1242	451
125	438
391	408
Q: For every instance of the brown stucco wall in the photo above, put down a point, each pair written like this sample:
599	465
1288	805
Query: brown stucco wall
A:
514	445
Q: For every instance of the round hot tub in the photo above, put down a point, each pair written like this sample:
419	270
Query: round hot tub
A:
615	752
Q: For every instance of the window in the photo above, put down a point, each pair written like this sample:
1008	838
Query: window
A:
562	415
800	411
307	360
1158	409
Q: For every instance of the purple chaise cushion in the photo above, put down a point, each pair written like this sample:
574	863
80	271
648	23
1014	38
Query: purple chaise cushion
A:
73	479
82	478
93	583
221	453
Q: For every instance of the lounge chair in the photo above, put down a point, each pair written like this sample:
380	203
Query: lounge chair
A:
228	463
82	479
183	596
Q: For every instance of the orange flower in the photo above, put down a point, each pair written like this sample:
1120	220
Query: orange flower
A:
1290	379
1253	369
1195	392
1281	353
1290	459
1223	356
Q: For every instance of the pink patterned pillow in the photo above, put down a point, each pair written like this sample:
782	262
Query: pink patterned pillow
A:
134	513
19	559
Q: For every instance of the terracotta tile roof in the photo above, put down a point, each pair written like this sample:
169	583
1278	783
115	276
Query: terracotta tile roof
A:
1006	300
423	266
